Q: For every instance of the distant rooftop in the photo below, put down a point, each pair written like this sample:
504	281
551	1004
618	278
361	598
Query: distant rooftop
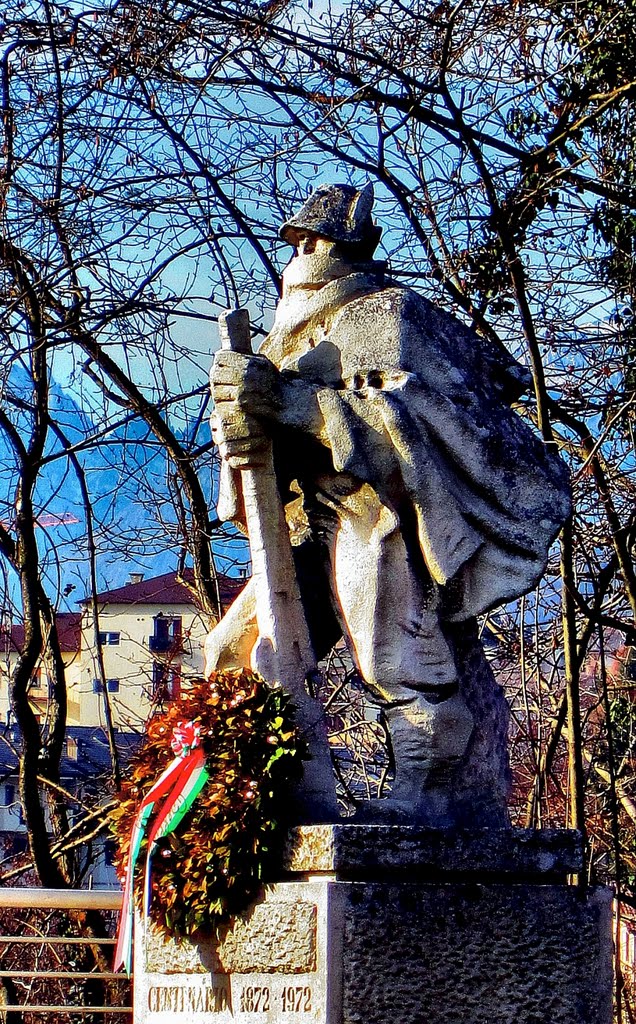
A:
86	752
166	589
161	590
68	630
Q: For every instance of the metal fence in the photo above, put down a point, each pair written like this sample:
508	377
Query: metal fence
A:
54	962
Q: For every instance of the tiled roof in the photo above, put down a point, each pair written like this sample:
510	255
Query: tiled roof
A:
13	637
162	590
68	630
166	589
90	759
92	751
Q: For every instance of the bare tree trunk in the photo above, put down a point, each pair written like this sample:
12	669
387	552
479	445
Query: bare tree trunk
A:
572	669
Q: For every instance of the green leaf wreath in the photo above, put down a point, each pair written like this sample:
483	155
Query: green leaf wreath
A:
211	866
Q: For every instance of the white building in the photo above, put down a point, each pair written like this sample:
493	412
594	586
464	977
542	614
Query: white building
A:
151	639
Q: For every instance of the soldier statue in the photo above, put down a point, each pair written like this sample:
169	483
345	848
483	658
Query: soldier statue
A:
416	498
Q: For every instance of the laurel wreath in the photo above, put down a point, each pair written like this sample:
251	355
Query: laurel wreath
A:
210	868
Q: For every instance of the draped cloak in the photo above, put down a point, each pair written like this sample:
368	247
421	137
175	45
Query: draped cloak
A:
417	407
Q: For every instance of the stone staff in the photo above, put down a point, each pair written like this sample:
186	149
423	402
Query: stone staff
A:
283	653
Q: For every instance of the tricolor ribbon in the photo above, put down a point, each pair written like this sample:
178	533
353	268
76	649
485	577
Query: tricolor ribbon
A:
179	785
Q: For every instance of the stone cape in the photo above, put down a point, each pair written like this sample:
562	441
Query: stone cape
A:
398	379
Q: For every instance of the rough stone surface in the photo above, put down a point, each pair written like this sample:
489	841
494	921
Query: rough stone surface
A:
271	938
476	954
377	851
481	782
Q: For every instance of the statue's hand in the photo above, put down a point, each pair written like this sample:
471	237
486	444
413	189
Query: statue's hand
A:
246	392
249	392
250	382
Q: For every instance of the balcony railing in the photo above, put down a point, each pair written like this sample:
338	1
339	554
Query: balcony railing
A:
55	983
165	644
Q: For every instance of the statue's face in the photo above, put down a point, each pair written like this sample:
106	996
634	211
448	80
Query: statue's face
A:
307	244
314	263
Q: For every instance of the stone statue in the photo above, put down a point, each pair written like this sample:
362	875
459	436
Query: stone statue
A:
416	500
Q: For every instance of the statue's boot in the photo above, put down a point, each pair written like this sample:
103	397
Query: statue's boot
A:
429	733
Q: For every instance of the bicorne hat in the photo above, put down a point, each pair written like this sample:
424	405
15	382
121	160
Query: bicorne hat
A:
340	213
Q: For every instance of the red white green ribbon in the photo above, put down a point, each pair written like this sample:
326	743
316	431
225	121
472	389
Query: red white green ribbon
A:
175	807
177	788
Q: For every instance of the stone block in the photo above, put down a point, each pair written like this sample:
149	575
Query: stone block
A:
380	851
280	961
325	951
476	954
396	949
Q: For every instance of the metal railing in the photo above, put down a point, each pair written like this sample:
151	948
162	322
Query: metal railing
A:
53	970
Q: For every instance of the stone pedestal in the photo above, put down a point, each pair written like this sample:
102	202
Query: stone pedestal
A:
398	925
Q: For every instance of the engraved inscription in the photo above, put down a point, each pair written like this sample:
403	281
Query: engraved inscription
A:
180	999
266	1002
255	999
296	999
288	999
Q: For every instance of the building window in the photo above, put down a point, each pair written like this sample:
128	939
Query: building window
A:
19	841
112	685
37	679
71	748
13	804
110	639
167	634
110	849
166	682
